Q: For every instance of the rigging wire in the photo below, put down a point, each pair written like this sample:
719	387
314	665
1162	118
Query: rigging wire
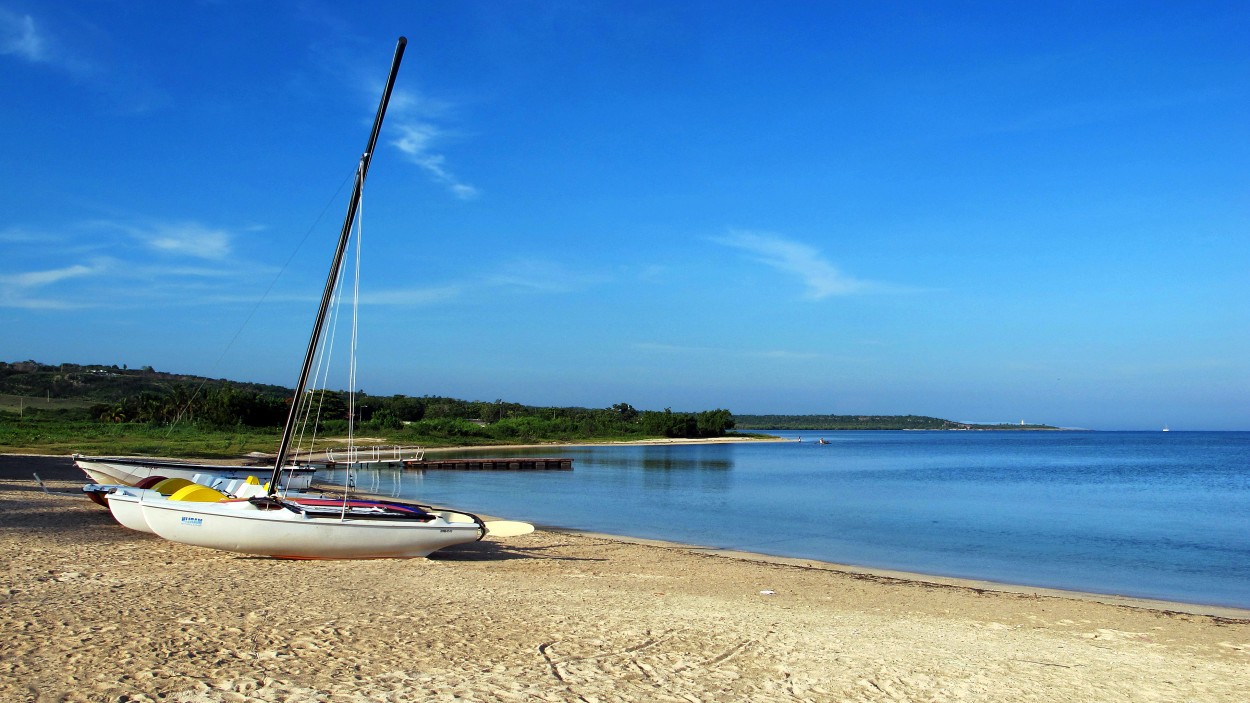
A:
310	419
352	450
321	378
256	306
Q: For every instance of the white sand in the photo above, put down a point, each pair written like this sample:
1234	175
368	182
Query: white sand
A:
90	611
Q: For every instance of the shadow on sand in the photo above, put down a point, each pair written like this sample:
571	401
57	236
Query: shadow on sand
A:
488	550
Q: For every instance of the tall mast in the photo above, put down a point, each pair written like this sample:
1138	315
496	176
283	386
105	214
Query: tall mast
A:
362	170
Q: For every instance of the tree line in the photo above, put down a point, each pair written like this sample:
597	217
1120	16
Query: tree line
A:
848	422
155	398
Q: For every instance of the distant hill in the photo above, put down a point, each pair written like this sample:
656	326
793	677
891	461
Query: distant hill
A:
145	394
107	384
865	422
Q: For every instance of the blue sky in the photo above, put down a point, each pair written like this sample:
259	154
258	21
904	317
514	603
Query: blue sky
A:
979	211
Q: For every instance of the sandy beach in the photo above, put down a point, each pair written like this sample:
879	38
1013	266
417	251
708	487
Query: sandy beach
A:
91	611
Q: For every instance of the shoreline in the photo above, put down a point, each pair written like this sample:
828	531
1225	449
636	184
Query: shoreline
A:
1223	611
1228	612
915	577
677	441
93	611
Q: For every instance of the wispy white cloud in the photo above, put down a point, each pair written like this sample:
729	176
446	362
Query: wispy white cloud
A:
33	279
415	141
26	38
121	264
21	38
21	290
189	239
820	277
195	264
416	119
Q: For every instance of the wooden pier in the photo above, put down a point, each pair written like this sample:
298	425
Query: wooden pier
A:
415	459
515	464
486	464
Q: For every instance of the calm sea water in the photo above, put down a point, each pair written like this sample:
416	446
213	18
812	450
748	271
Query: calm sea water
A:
1149	514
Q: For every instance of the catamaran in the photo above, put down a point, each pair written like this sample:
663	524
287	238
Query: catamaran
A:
131	471
267	520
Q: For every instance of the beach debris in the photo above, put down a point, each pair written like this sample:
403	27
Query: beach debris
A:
768	593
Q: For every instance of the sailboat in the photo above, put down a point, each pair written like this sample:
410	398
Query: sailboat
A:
261	519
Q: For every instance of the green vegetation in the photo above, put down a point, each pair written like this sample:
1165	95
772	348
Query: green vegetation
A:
57	432
104	409
865	422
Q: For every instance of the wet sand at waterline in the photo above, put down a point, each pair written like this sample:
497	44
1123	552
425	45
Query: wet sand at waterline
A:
91	611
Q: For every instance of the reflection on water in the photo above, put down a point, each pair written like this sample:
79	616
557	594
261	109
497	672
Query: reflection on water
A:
671	458
393	483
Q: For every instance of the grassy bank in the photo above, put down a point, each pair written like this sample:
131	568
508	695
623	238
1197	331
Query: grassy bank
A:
61	433
26	436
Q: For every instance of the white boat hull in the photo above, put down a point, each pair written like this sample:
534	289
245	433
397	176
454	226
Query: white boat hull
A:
241	526
124	503
124	471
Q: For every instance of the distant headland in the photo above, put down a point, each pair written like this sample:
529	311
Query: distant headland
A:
869	422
